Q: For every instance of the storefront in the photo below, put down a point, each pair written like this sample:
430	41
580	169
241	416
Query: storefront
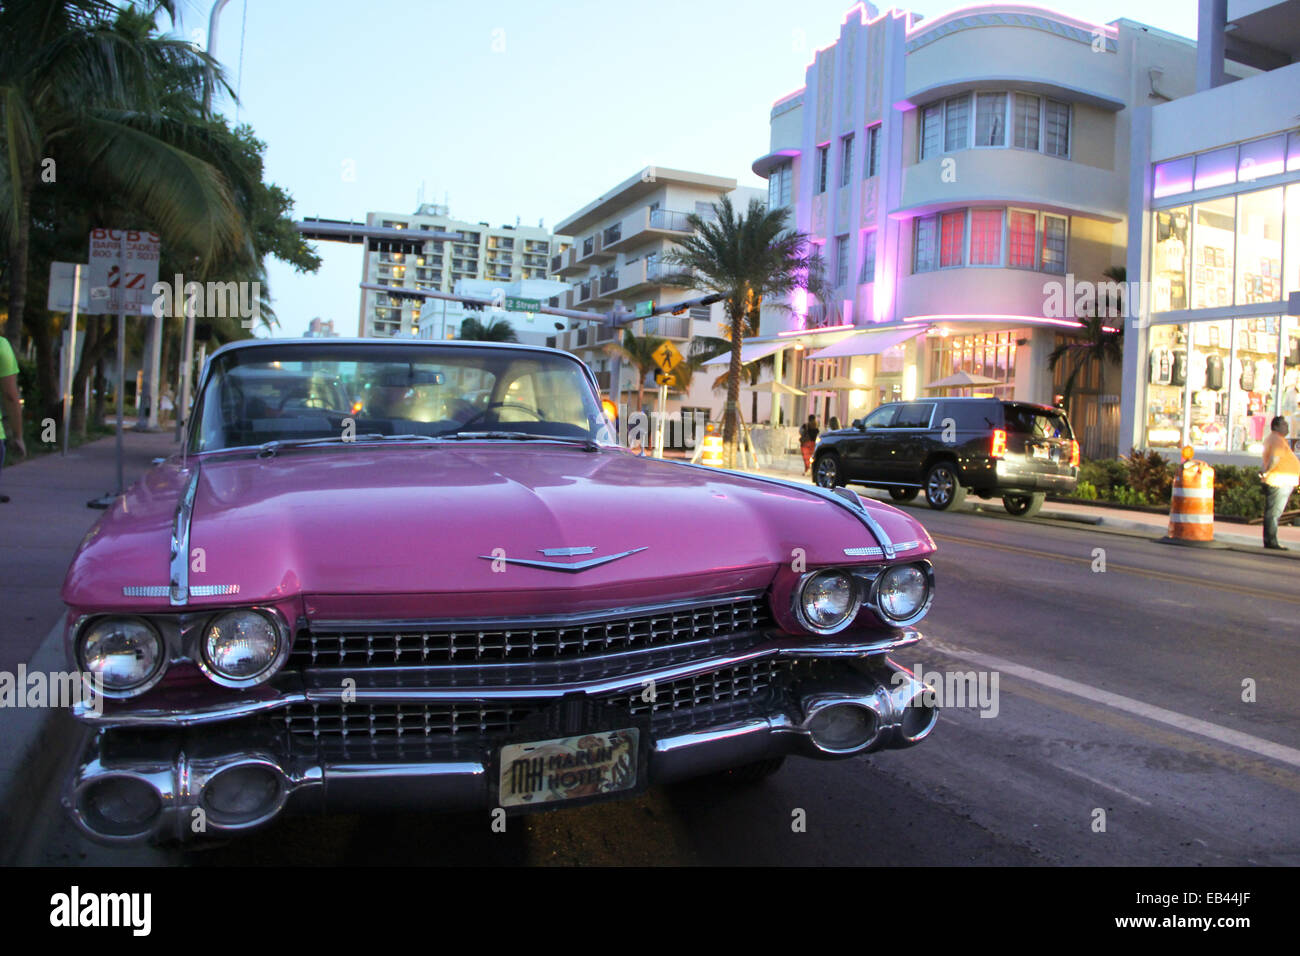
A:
1222	355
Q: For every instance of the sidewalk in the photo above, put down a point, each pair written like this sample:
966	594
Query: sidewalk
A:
1238	537
40	529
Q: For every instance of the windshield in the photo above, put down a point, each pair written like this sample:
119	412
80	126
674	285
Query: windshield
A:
291	393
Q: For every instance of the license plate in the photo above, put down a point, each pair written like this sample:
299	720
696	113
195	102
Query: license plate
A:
568	768
1040	451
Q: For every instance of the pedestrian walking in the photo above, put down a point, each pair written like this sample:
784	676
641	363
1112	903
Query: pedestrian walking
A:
834	424
808	433
11	406
1281	473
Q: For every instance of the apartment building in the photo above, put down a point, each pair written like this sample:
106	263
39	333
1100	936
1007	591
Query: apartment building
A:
1214	233
499	254
960	174
616	256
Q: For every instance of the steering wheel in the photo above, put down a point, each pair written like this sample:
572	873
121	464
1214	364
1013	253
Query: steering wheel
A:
536	413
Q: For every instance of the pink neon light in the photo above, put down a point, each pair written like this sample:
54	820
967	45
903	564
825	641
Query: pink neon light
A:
990	317
791	95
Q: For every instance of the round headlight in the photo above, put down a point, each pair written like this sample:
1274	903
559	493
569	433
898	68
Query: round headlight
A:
827	601
903	593
125	653
241	647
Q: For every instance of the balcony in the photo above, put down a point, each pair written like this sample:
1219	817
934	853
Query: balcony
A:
669	326
593	250
649	224
602	380
566	263
608	283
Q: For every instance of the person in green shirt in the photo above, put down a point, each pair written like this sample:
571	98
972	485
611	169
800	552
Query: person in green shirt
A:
11	406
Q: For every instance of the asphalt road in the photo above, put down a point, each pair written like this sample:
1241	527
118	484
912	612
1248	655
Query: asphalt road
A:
1120	737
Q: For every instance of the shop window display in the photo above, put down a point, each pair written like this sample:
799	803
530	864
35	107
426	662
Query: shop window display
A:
1259	246
1166	385
1214	241
1169	263
1254	380
1209	374
1289	399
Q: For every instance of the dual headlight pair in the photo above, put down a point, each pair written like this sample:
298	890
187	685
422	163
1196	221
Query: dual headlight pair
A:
129	654
827	601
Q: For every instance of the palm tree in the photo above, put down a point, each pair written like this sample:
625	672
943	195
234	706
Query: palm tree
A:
1099	341
494	330
80	91
747	259
637	351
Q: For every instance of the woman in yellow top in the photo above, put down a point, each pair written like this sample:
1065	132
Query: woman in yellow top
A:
1281	473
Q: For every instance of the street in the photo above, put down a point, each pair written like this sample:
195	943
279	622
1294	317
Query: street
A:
1118	736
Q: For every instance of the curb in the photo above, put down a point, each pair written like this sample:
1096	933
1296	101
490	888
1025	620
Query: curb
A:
32	756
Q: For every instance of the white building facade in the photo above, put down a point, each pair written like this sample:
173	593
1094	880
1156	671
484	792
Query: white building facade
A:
1214	232
960	175
616	257
496	254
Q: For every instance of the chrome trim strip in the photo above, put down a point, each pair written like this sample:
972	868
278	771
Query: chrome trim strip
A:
859	511
878	552
328	687
527	623
163	590
179	585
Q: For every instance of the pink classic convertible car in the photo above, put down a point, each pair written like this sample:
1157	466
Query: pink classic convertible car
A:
424	575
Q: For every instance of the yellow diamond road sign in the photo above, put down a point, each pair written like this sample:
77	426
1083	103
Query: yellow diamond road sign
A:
667	357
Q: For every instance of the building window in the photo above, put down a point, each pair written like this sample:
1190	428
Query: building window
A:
1056	128
931	130
873	151
868	272
1026	122
1022	230
952	239
956	123
846	159
778	186
841	261
924	245
986	237
823	160
991	119
1054	243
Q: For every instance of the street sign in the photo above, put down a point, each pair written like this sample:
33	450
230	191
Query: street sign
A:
663	378
516	304
667	357
643	309
59	298
122	270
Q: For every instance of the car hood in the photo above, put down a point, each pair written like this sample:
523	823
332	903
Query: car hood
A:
445	530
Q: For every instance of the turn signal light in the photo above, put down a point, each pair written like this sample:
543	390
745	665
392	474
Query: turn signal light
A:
1074	454
999	443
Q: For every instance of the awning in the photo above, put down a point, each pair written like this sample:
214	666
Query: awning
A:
868	343
749	353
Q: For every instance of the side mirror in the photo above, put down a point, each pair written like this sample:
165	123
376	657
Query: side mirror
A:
859	424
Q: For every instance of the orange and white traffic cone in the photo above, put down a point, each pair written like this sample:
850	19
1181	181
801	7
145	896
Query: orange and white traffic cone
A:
1191	506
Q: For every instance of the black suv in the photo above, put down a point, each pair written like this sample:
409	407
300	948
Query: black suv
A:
1014	450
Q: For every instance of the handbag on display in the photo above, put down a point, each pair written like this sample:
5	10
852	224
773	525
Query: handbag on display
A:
1178	373
1214	372
1247	376
1292	358
1160	367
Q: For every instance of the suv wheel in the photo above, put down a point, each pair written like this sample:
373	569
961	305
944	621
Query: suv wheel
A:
826	471
904	494
1024	506
942	489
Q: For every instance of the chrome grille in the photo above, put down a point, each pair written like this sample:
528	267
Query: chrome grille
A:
400	645
677	703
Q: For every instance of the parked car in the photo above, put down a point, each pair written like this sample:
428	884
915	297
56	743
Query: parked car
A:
379	587
1014	450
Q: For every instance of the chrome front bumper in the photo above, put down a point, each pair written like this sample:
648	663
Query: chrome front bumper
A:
852	706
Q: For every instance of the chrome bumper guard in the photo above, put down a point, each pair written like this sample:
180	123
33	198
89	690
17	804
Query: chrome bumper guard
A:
184	782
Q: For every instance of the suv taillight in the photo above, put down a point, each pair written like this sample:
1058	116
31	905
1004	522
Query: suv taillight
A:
1074	454
999	448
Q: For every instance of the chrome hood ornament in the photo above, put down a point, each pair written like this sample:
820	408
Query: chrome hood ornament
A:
569	566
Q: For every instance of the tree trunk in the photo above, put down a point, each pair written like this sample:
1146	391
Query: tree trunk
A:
18	267
47	381
730	427
96	344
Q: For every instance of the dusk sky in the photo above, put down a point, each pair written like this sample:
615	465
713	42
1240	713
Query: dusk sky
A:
514	109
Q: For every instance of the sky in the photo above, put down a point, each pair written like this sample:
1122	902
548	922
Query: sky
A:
511	110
